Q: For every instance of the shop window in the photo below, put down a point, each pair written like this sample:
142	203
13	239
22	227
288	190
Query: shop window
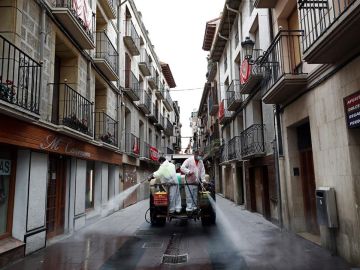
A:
90	184
7	172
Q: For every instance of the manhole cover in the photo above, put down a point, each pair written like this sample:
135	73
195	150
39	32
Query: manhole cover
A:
152	245
174	259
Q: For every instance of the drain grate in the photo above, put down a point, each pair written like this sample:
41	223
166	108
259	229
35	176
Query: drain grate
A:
174	259
152	245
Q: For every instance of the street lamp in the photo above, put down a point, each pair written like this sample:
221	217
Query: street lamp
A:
248	47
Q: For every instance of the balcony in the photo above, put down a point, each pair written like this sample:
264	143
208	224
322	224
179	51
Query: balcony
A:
212	68
233	96
265	3
224	154
224	114
168	101
131	38
19	78
109	7
161	122
160	92
252	81
131	145
106	56
74	110
106	129
78	24
212	147
132	86
252	142
144	64
145	102
234	148
213	101
153	115
145	151
329	30
153	80
169	128
284	77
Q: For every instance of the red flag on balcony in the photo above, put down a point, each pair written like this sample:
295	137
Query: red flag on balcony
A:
245	71
154	153
136	148
221	110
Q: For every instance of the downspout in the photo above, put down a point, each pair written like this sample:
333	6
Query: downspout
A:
277	147
42	45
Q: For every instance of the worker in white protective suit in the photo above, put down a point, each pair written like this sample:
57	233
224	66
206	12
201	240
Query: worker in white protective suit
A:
194	169
167	175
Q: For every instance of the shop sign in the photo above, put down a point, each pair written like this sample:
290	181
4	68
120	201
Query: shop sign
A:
62	145
352	110
5	167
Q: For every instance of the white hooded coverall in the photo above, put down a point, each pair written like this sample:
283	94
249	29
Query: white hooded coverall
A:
167	174
198	174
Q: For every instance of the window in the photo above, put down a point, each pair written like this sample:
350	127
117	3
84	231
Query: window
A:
7	175
90	184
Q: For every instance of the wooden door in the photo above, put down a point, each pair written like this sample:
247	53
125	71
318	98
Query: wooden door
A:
258	191
252	189
55	209
130	179
308	186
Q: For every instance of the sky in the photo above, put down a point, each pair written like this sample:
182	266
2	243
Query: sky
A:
176	29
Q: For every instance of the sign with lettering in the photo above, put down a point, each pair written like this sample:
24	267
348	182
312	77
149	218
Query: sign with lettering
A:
5	167
352	110
154	154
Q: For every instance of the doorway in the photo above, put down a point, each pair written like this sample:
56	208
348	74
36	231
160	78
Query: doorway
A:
56	189
130	179
307	178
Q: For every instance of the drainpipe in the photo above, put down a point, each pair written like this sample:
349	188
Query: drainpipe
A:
42	44
277	146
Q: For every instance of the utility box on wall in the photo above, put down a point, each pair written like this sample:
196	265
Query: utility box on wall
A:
326	207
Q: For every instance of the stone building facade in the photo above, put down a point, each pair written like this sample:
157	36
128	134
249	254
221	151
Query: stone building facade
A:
79	124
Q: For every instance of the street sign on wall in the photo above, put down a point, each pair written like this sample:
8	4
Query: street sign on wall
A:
352	110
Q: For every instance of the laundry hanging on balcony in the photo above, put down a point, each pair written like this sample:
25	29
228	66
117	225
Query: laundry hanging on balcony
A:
136	148
84	12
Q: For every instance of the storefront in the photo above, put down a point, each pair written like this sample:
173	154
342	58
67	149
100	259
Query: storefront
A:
50	183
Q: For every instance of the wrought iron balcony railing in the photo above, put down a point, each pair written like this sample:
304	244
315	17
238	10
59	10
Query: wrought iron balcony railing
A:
19	77
283	57
145	150
161	122
131	144
234	148
145	102
74	110
144	64
169	128
168	101
224	153
252	141
85	20
153	79
110	8
132	85
131	38
106	50
106	129
317	16
233	96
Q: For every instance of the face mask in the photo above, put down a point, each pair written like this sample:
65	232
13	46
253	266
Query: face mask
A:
198	158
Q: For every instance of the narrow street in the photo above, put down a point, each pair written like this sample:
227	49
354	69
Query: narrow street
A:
125	241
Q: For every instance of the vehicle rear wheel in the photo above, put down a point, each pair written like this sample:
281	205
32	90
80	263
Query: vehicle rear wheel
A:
210	218
154	220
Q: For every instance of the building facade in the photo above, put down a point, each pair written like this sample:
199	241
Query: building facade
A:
238	127
79	115
285	74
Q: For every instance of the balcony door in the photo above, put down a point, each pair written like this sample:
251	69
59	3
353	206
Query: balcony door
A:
294	41
127	71
55	98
